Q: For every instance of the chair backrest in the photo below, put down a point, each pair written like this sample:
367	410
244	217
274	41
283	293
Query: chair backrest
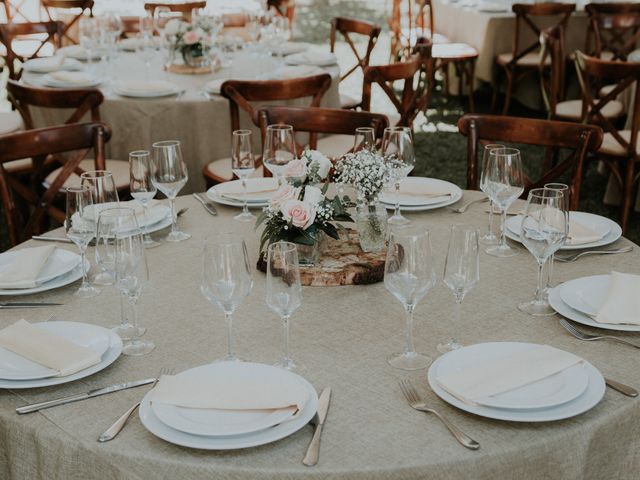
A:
10	31
76	140
614	28
19	11
552	135
82	5
348	26
552	80
184	8
420	23
283	8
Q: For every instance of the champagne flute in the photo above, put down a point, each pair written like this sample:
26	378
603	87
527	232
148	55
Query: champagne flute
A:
142	188
169	174
564	188
279	149
544	230
488	238
226	279
408	275
243	164
504	183
461	271
284	291
80	230
364	139
397	149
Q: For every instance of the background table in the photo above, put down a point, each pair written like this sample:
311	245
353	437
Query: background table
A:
341	336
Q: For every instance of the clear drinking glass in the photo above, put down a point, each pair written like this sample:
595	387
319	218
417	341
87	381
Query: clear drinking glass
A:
544	230
365	139
461	271
284	291
504	183
488	238
408	275
397	149
88	35
80	230
243	164
279	149
564	188
169	174
146	46
142	188
226	279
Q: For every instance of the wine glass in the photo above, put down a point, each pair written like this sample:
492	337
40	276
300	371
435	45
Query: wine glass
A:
397	149
284	291
132	273
504	183
364	139
564	188
488	238
226	279
461	271
279	149
146	45
243	164
142	188
544	230
169	174
88	35
80	230
408	275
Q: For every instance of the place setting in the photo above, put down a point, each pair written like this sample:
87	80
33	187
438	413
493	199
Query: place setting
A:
146	88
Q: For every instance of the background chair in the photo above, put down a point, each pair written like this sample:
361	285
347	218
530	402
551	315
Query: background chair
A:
419	18
24	41
614	29
67	6
283	8
183	8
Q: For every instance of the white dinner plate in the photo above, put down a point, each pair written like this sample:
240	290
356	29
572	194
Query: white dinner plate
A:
42	67
90	81
134	44
585	294
227	193
16	367
277	432
289	48
164	89
589	399
57	282
597	222
108	357
220	423
156	214
79	53
319	59
422	184
60	262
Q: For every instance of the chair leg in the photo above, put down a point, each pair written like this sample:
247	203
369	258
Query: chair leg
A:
508	91
470	71
496	90
627	194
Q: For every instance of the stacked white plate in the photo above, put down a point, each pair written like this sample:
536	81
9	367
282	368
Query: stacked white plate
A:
566	394
18	372
70	79
289	48
418	203
134	44
79	53
312	57
231	193
158	217
212	429
50	64
146	89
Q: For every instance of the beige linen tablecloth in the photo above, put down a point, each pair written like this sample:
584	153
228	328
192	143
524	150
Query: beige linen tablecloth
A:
341	336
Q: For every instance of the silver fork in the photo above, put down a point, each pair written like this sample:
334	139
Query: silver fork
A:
415	402
574	257
464	207
590	338
113	431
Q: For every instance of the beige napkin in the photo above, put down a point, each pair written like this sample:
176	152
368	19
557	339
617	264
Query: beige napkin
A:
80	78
502	374
622	303
254	190
580	233
421	191
152	86
24	270
47	349
44	64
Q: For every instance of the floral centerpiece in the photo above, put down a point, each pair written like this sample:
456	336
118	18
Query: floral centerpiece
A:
192	40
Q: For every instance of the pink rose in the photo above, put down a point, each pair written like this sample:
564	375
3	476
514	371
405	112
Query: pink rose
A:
284	193
300	214
191	37
296	169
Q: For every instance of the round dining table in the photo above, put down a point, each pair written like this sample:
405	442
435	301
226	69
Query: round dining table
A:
340	337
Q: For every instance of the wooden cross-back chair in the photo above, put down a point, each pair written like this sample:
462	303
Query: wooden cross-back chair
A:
420	23
20	48
14	11
283	8
184	8
578	139
614	29
76	140
84	6
524	58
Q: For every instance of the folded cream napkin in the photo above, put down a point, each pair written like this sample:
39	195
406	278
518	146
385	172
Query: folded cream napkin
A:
80	78
258	190
580	233
152	86
312	57
45	64
25	268
420	191
622	302
501	374
47	349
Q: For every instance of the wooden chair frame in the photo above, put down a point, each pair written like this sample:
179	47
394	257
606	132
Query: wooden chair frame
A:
552	80
347	26
613	27
401	44
283	8
11	31
83	5
183	8
13	10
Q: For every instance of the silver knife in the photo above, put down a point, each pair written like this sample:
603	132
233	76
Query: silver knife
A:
83	396
313	451
27	304
48	238
208	206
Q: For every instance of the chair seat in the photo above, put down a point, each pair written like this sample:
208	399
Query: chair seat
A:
221	169
10	122
529	60
414	33
17	166
572	110
348	101
453	51
604	91
610	146
119	169
335	146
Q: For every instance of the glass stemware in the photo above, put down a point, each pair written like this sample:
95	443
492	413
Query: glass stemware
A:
461	271
142	188
504	183
544	230
364	139
243	164
146	45
80	230
408	275
279	149
88	35
397	149
169	174
284	291
564	188
226	279
488	238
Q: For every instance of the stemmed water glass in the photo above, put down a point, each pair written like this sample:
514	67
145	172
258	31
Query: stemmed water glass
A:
488	238
226	279
461	271
279	149
80	230
397	149
504	183
146	45
142	188
88	36
243	164
284	291
364	139
408	275
564	188
544	230
169	174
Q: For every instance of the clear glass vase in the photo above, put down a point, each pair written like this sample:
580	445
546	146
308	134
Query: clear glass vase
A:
371	223
196	61
309	255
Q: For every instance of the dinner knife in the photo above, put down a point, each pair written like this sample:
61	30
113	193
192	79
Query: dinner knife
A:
313	451
83	396
48	238
206	204
27	304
